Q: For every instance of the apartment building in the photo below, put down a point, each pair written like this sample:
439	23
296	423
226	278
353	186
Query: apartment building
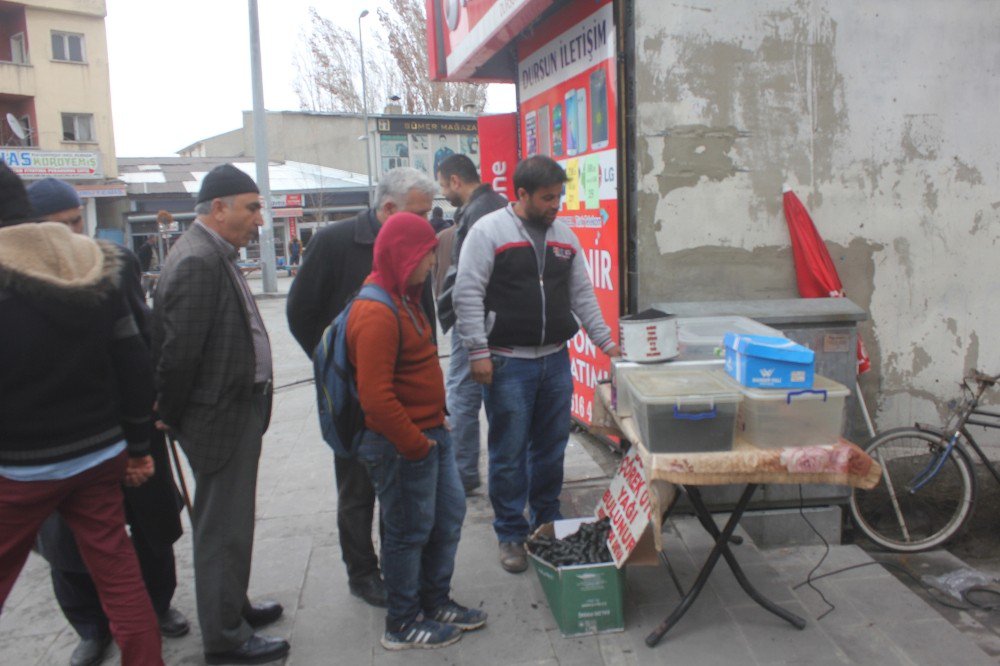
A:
55	97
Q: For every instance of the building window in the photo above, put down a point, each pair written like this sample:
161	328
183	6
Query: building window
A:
67	46
29	136
18	49
78	126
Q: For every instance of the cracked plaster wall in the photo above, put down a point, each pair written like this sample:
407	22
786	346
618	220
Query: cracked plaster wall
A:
882	117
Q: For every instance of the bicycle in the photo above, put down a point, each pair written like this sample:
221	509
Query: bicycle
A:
928	487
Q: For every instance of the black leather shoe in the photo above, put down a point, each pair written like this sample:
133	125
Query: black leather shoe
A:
90	651
263	614
256	650
371	590
173	624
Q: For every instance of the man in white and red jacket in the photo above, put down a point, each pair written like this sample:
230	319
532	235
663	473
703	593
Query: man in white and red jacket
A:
522	287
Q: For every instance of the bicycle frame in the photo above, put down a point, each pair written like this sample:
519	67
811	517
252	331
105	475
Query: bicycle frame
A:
965	414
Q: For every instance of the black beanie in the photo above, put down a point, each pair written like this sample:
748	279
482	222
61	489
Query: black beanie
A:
14	204
225	180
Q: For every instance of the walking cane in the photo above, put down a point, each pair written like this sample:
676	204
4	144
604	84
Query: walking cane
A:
172	453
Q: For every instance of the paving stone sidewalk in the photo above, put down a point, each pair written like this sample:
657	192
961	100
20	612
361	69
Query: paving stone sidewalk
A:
297	562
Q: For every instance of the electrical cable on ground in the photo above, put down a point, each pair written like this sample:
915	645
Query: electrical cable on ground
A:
809	579
932	592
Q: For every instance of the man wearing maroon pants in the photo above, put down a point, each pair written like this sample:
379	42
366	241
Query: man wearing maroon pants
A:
75	393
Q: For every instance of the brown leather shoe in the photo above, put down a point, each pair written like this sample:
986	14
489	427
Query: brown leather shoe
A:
513	557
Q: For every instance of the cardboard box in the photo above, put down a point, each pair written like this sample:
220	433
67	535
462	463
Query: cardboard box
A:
767	362
586	598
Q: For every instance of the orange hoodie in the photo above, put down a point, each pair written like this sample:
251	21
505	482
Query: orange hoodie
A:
400	384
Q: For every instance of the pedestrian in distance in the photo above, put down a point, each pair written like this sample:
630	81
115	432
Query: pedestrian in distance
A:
146	253
521	288
405	446
460	185
214	389
338	262
151	510
75	396
438	221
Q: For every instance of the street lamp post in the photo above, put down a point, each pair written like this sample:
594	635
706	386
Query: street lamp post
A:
268	268
364	107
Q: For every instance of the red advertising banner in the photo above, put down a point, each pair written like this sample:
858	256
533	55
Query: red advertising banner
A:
568	101
462	35
498	152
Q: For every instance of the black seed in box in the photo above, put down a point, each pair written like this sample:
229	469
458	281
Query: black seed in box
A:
668	432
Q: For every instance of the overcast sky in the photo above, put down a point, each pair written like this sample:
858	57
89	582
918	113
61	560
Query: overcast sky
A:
180	71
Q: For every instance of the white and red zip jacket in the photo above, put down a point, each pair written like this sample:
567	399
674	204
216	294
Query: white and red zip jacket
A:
511	304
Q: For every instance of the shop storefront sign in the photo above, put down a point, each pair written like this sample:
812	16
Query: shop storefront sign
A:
567	107
98	191
498	152
286	201
44	163
462	35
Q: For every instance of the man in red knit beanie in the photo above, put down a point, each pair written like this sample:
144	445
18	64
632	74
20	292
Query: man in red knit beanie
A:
405	447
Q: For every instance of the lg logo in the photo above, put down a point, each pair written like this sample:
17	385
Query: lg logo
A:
452	11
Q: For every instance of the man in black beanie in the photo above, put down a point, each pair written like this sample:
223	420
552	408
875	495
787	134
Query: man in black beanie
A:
213	381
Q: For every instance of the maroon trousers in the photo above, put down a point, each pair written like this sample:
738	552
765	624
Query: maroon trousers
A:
92	505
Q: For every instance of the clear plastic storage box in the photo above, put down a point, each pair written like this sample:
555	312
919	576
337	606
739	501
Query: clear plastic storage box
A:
775	418
620	398
684	409
701	337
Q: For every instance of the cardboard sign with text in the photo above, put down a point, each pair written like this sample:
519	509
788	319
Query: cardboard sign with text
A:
628	503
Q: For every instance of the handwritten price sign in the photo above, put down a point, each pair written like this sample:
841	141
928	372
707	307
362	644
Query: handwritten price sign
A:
627	502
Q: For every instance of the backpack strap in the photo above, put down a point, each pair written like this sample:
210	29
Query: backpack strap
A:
374	292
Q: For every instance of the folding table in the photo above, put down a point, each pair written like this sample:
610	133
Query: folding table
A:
840	463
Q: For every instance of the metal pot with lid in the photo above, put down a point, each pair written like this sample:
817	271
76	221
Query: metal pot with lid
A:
648	337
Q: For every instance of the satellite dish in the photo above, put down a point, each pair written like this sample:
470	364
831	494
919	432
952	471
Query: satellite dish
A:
16	127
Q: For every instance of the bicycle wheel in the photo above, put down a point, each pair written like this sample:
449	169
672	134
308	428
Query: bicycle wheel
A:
898	518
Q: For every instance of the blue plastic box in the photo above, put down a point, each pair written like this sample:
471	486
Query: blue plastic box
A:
763	362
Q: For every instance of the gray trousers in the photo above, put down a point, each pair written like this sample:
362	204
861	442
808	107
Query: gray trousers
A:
223	521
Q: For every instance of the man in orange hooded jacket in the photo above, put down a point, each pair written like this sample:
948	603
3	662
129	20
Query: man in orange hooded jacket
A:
405	447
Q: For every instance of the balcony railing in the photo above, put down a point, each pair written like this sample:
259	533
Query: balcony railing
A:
17	79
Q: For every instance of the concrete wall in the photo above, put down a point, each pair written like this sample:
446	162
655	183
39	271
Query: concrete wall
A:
227	144
327	140
883	119
91	7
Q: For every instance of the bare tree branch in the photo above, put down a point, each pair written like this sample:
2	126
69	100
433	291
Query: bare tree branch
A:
328	70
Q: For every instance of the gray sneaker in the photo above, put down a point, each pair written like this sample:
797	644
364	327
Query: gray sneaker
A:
513	558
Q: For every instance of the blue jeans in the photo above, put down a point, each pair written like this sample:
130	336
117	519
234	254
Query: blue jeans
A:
422	509
464	400
528	407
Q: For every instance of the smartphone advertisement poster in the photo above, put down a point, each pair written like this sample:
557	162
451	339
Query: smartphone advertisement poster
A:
567	92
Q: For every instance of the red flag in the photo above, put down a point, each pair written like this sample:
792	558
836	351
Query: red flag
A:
814	270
